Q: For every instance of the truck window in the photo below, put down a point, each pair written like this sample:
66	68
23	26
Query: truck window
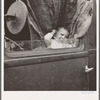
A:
74	15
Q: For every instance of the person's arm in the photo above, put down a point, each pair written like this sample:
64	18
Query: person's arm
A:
48	37
83	29
85	18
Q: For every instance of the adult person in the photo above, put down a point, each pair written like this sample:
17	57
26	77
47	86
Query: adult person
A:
46	15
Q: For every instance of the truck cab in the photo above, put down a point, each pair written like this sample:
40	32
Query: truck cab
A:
41	68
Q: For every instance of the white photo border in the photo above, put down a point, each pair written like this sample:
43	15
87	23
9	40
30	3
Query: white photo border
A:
47	95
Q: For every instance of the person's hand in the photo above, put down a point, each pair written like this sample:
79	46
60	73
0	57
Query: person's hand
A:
76	43
76	36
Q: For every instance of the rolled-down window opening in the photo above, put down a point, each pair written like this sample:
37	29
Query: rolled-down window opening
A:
74	15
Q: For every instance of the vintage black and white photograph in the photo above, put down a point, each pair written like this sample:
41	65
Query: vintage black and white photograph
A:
50	45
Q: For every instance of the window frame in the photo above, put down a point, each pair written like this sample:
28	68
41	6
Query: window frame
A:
46	51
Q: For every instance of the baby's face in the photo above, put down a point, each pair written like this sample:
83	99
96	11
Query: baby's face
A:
62	35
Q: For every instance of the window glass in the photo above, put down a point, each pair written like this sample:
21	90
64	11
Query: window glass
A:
25	45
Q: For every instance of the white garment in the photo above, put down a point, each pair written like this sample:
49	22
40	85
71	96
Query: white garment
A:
56	45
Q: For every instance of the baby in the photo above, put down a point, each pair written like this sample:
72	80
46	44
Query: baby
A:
57	39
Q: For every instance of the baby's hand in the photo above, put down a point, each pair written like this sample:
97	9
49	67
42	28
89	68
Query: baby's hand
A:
53	31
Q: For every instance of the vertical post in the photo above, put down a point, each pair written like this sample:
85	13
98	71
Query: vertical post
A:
30	30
